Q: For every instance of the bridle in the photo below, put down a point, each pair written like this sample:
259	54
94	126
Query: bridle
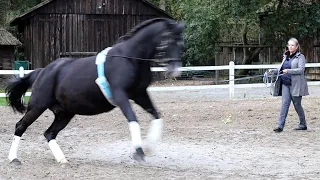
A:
143	59
167	41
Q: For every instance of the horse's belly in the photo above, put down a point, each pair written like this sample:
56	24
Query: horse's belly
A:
81	109
84	103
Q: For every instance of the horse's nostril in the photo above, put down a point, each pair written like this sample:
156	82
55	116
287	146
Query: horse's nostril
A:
173	73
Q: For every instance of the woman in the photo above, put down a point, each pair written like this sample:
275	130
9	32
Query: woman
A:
291	84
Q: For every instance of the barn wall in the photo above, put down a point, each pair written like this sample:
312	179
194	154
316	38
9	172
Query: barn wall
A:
6	57
130	7
80	26
49	36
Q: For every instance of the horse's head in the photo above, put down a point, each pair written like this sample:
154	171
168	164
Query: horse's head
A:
170	48
159	39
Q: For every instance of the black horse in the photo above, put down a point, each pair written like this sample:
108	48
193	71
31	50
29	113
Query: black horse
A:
68	86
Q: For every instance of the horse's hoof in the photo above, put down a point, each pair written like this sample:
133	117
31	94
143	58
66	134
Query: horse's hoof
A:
16	162
65	165
139	157
148	151
64	161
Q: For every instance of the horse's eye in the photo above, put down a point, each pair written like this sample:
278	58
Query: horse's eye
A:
180	43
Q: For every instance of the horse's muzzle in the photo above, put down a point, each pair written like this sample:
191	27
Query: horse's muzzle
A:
173	68
173	73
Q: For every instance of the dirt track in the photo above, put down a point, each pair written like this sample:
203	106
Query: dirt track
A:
203	139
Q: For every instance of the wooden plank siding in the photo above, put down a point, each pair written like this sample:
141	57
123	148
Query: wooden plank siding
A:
114	7
6	57
62	26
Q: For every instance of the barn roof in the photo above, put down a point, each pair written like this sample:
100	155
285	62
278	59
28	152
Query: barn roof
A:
23	15
27	13
7	39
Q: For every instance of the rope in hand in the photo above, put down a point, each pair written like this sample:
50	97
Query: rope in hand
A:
269	79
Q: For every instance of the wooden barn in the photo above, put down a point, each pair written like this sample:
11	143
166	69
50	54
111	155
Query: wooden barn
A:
7	44
60	28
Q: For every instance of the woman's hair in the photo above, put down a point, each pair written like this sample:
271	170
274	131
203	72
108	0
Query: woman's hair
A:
296	42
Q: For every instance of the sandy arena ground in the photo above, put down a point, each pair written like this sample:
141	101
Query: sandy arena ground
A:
206	136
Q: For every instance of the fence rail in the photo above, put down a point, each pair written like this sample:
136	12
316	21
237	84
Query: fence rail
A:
231	67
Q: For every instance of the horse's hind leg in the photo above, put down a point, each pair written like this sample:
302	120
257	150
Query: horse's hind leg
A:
31	115
61	120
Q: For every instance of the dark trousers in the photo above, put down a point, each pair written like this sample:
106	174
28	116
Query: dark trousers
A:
286	100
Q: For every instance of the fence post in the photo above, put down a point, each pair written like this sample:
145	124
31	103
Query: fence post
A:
231	79
21	71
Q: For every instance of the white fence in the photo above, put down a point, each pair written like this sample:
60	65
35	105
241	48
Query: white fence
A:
231	67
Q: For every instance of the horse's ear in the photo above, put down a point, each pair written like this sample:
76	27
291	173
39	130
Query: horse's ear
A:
177	27
181	26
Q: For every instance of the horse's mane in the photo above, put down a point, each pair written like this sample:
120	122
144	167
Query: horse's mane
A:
138	27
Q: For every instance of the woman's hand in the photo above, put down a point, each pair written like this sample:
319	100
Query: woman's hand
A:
272	71
285	71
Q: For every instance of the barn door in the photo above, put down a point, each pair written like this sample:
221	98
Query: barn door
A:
48	40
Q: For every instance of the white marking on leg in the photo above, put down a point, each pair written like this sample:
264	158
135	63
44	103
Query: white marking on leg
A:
135	131
155	133
57	152
14	148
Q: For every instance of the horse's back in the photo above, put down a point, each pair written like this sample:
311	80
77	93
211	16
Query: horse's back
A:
48	74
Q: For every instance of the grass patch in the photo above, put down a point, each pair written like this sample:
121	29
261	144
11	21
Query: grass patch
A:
3	101
3	90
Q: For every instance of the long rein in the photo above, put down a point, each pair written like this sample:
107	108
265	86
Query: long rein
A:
267	78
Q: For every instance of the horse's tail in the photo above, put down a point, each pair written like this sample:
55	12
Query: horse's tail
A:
17	87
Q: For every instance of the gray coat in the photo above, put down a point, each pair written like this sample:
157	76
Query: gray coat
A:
299	85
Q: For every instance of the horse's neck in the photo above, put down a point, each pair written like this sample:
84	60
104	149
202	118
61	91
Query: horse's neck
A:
145	42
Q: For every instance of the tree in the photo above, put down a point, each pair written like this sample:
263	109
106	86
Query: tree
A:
11	8
300	19
3	12
202	30
162	4
210	22
239	19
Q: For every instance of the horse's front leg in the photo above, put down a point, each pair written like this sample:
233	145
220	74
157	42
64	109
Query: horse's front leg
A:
121	99
156	126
